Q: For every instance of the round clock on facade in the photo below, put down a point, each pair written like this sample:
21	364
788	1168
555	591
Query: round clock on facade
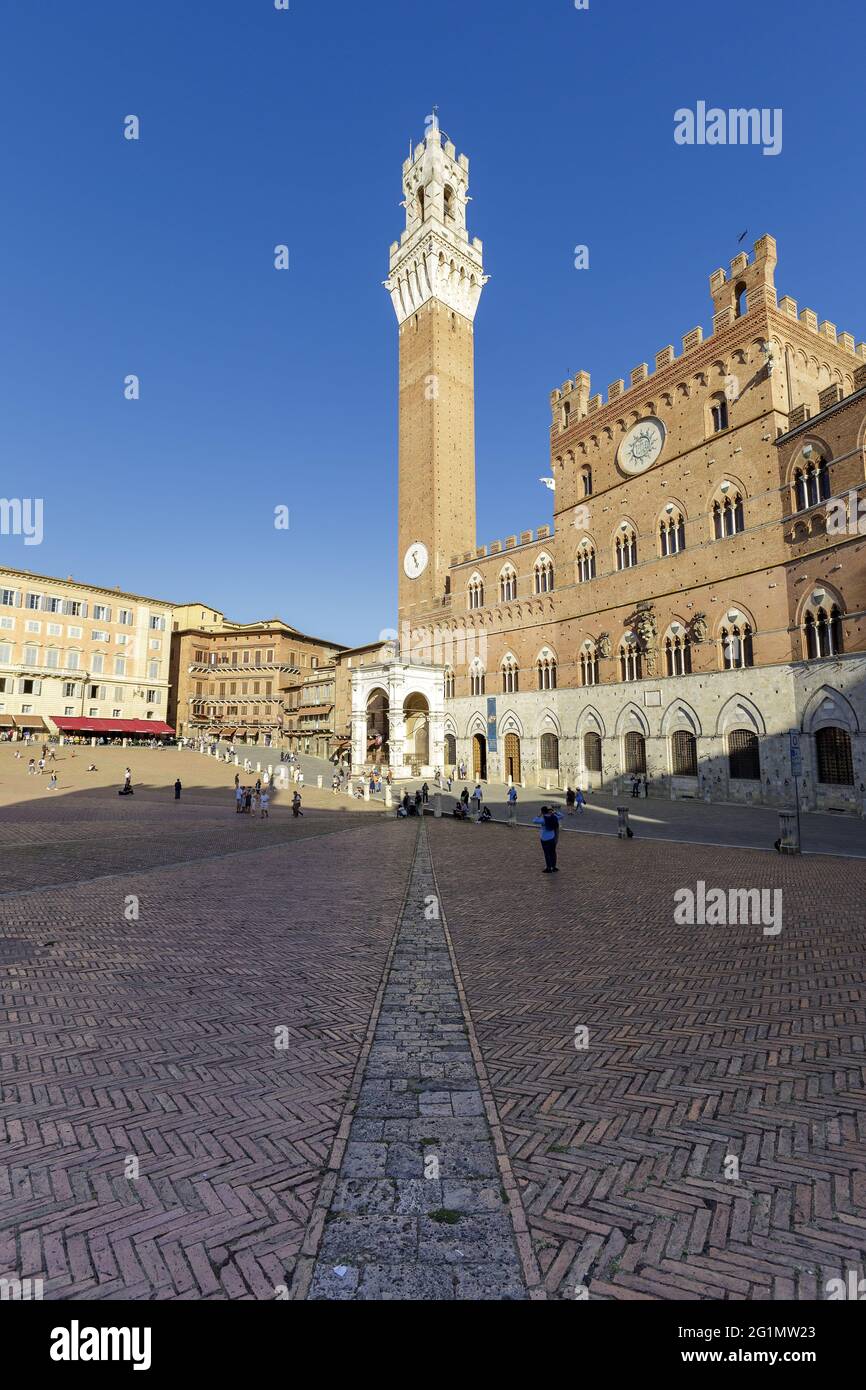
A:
415	560
641	446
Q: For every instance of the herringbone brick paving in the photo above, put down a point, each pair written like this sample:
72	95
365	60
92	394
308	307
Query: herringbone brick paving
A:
704	1042
155	1040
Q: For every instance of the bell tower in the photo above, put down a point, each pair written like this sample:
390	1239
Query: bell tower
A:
435	282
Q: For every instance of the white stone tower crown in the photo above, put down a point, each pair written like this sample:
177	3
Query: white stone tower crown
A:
434	258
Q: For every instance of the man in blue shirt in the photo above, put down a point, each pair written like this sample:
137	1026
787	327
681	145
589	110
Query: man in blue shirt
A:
549	822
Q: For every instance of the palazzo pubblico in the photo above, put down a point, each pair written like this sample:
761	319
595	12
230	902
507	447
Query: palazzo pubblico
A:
700	591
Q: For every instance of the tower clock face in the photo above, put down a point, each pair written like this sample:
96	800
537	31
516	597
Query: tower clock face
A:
641	446
415	560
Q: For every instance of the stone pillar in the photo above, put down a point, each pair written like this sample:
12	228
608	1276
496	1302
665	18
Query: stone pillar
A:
319	781
789	833
622	822
389	800
366	790
437	805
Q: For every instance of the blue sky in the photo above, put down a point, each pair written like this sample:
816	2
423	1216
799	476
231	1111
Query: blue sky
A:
262	388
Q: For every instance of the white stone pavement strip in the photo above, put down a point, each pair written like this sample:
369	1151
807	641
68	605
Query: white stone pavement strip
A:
418	1210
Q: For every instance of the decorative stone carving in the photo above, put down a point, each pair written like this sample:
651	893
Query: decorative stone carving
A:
603	645
699	628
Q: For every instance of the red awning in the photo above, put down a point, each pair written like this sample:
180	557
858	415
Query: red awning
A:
154	727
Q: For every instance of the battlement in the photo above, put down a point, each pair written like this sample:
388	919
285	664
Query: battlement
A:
748	284
481	552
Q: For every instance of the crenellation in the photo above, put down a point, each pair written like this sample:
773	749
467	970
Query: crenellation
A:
693	339
809	319
788	306
828	330
639	374
664	357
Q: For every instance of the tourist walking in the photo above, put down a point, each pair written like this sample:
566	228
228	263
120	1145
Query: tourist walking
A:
570	799
579	801
425	793
464	797
549	822
635	786
239	798
296	805
52	782
178	788
248	800
477	796
264	802
512	804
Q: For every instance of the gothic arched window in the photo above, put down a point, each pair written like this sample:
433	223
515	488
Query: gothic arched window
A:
625	547
508	584
585	562
545	669
678	654
811	484
823	631
476	591
510	675
543	575
736	643
672	532
728	513
835	763
630	661
588	664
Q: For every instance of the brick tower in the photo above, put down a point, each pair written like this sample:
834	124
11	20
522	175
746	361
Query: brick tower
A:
435	283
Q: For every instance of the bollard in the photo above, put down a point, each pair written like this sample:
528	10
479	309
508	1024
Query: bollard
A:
789	833
236	760
258	767
366	790
437	805
319	781
389	800
622	822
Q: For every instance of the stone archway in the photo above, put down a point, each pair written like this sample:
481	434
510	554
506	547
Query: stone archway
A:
479	757
416	723
512	757
378	726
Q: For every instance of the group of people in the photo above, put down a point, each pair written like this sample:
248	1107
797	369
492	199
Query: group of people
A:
248	800
639	785
36	769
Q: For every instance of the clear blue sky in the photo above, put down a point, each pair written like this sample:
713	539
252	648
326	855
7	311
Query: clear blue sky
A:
262	388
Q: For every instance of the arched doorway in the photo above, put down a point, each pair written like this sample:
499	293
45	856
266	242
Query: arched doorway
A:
549	753
378	750
512	757
416	718
479	757
635	753
450	750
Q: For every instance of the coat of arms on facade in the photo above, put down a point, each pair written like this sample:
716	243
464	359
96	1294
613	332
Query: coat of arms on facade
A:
699	627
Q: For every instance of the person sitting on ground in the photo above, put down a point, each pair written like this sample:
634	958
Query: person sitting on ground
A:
485	815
